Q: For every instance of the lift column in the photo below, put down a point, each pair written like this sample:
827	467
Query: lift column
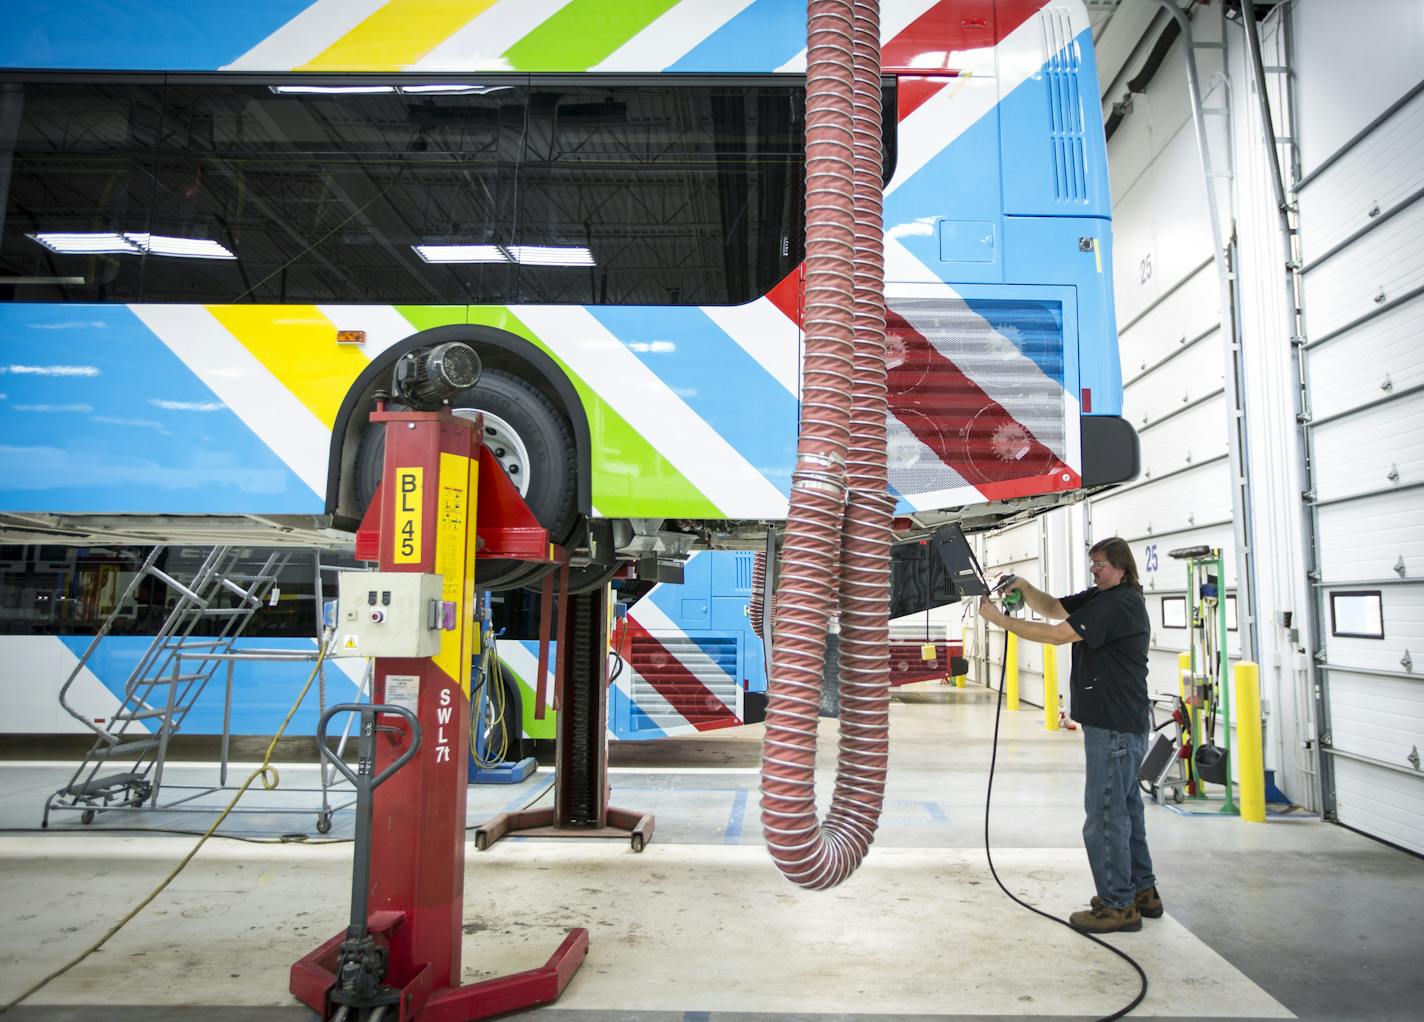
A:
418	862
426	507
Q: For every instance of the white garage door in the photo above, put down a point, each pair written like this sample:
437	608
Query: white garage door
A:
1361	206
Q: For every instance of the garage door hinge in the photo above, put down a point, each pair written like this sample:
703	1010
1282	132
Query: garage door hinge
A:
1407	662
1307	495
1413	757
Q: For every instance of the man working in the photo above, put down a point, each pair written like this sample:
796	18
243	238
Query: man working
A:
1109	629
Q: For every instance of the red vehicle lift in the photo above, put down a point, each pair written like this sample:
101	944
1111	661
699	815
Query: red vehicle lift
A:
400	957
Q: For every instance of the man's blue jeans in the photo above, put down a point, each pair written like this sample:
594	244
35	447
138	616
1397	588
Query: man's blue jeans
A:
1113	831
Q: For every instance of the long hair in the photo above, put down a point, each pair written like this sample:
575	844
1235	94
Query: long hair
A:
1119	555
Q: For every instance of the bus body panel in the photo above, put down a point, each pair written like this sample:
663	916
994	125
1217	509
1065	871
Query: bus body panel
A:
692	410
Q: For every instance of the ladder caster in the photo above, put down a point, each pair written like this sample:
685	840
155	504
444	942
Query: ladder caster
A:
87	816
323	823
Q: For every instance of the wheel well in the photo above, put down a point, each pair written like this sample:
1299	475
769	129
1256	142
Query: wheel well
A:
497	349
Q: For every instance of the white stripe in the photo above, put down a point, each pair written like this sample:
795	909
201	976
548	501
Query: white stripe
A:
384	326
526	664
243	383
936	123
763	332
305	36
678	433
895	17
695	661
672	36
654	706
938	500
1073	456
480	44
909	456
941	119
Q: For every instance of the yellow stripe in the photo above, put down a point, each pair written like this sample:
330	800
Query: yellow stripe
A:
397	35
297	345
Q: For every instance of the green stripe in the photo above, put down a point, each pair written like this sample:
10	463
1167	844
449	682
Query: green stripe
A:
427	317
583	33
628	471
532	728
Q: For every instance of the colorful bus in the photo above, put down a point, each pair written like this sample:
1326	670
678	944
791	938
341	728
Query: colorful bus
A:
224	225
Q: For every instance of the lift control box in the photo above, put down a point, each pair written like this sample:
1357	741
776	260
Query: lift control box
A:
390	613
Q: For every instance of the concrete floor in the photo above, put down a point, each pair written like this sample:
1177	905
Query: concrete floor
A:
1315	922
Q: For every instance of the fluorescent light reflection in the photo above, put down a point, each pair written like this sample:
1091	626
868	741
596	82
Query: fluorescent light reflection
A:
528	255
332	90
187	248
451	89
461	253
85	244
543	255
105	243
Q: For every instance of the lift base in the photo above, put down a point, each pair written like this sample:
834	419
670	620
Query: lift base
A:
504	773
617	823
313	979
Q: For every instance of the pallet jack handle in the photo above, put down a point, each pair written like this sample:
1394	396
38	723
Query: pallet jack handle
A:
368	715
360	978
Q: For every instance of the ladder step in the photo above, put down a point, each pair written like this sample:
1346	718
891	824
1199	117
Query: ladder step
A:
170	679
100	785
127	749
148	714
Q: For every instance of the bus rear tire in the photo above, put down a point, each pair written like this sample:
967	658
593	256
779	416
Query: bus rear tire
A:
534	442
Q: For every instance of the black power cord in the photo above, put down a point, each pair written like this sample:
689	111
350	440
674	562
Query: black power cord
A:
988	800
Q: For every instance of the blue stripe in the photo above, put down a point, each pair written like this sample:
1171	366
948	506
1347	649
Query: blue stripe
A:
198	35
263	690
936	813
124	426
718	380
1035	328
761	38
733	833
627	720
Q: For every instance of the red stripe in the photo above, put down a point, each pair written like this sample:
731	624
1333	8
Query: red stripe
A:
966	428
936	40
674	682
786	296
912	91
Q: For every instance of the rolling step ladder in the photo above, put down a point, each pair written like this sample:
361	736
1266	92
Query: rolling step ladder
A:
124	767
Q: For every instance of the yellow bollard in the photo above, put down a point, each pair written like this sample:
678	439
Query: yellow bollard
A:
1184	667
1050	687
959	681
1011	670
1248	742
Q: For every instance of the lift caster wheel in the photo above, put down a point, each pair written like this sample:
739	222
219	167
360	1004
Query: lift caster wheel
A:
1178	796
87	816
323	823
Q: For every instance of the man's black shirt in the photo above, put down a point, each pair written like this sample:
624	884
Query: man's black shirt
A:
1109	681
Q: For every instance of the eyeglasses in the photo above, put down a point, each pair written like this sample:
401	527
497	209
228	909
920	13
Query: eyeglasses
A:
1099	564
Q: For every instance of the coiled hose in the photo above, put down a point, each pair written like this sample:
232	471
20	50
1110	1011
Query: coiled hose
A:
839	527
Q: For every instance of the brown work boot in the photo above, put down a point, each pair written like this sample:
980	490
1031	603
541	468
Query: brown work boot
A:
1149	903
1106	919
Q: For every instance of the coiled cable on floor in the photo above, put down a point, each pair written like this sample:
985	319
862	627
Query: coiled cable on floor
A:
988	801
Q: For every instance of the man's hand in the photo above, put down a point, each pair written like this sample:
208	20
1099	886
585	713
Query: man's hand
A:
1016	585
991	613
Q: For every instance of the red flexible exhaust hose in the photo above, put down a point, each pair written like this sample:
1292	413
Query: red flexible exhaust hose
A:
839	524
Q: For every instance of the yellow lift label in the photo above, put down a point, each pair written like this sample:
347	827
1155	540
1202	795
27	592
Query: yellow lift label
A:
408	516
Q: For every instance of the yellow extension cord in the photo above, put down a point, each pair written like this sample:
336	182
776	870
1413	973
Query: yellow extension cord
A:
270	780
